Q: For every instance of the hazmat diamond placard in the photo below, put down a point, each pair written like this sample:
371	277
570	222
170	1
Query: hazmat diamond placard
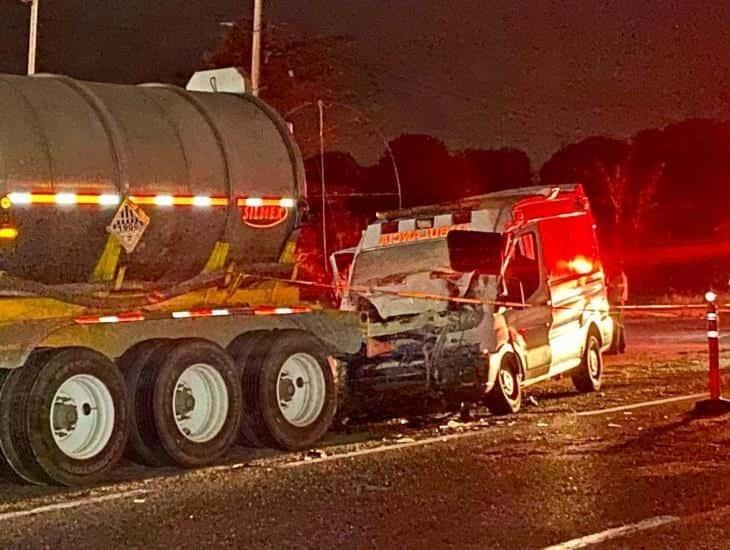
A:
128	225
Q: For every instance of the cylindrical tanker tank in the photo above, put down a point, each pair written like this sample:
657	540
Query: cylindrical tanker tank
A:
65	138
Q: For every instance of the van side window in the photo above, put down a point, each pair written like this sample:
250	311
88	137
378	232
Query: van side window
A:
524	265
526	246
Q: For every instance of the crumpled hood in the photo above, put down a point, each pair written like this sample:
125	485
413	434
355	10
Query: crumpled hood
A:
390	305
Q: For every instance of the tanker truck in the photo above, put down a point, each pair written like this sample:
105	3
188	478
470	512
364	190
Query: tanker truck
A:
148	301
144	232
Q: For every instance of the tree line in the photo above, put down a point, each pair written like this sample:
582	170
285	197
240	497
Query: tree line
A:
661	198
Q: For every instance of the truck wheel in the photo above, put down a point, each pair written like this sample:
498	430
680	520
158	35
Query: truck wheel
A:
132	363
13	412
506	395
587	377
296	398
189	403
247	351
68	423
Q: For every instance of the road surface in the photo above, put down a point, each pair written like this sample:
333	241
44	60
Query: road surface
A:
626	467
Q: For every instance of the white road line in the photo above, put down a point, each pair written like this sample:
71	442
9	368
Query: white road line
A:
642	404
70	504
616	532
381	449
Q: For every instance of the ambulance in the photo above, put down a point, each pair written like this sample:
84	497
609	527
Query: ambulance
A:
475	300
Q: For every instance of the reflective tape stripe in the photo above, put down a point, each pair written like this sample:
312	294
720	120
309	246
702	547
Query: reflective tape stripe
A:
20	198
173	200
197	313
713	334
283	202
110	319
712	316
110	199
64	199
281	310
190	314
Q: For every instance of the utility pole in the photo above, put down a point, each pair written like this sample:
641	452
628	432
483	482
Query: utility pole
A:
32	35
258	8
320	107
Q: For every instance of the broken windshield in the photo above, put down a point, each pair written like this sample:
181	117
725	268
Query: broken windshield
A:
385	265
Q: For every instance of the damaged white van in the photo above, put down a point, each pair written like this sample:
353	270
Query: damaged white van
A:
472	301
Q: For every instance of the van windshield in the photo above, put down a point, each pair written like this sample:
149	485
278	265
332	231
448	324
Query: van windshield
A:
380	265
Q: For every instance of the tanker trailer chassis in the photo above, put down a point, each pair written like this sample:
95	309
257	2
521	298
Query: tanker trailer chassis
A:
163	386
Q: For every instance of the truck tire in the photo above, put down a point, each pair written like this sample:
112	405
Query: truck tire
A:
247	351
295	397
506	395
587	377
13	412
189	401
132	363
69	425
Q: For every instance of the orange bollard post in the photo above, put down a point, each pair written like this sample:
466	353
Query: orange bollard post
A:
715	405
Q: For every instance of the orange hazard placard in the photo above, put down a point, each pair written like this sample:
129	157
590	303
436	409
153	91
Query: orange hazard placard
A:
419	234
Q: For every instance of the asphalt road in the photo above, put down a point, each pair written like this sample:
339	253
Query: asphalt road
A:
606	469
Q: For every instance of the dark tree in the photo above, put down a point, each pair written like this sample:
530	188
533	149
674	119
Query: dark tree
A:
600	164
296	69
425	168
496	169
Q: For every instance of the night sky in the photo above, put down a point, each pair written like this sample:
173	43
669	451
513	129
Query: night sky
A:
530	74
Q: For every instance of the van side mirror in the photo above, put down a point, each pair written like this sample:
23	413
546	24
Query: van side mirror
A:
475	251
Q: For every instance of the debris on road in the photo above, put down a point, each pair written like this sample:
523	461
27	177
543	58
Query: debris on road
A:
314	454
455	425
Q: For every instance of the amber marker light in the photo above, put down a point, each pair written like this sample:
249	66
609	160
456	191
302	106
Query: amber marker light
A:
8	233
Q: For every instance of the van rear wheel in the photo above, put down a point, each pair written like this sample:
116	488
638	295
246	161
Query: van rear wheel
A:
587	377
